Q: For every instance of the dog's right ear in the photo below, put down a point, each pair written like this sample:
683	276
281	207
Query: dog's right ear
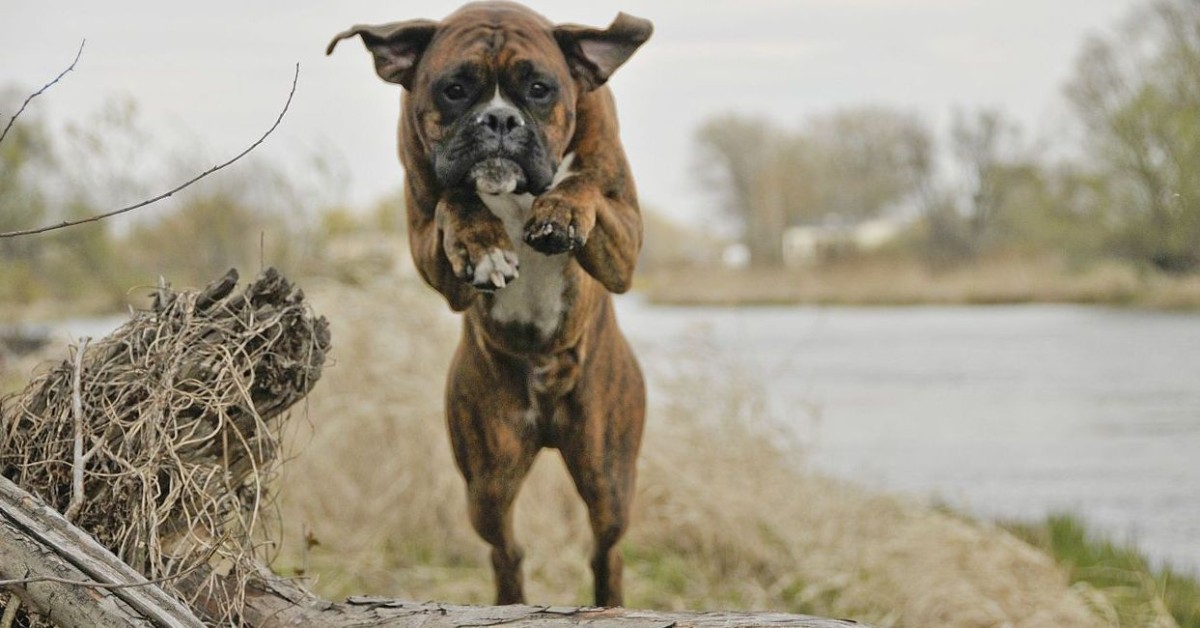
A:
397	47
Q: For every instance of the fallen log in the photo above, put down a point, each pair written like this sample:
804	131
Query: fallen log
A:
46	561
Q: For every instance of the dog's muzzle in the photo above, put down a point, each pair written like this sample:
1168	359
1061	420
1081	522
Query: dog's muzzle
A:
495	151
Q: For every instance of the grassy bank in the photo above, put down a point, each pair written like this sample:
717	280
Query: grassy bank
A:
1140	594
900	280
726	516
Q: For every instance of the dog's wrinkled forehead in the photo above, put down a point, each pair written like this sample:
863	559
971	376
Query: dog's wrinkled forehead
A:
494	40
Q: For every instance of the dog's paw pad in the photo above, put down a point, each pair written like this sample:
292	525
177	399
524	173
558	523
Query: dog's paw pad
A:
551	238
495	270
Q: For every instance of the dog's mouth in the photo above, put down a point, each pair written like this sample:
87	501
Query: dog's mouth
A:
498	175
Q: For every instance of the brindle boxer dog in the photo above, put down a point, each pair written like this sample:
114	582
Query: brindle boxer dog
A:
522	213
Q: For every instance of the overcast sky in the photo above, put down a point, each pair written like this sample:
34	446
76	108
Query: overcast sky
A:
219	70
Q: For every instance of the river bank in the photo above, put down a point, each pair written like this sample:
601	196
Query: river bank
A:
901	280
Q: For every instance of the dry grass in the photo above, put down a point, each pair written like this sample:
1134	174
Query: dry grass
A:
726	516
903	280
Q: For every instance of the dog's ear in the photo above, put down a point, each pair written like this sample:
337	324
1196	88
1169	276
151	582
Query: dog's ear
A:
397	47
594	54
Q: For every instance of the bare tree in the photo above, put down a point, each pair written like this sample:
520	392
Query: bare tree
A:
741	158
862	161
985	146
848	165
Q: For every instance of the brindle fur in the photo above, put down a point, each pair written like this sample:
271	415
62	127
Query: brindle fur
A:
512	389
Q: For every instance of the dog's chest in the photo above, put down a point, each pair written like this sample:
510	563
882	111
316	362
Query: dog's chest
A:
537	296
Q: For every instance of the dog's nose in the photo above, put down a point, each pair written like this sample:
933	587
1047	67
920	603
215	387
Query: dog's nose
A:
501	119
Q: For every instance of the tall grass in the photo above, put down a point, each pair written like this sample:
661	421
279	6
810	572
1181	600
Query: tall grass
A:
1140	594
726	516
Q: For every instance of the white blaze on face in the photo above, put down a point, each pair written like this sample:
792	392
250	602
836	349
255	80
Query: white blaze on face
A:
536	297
498	100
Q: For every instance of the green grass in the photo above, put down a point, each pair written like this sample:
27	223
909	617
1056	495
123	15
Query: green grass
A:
1138	591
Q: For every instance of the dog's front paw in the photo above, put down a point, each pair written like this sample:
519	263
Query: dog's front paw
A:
557	226
487	268
494	270
478	248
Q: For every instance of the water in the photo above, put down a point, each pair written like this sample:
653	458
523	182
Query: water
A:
1011	412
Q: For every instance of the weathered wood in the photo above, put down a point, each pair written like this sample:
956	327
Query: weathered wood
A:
271	602
22	558
44	551
160	440
393	613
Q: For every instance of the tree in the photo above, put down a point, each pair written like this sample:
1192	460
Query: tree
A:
984	146
1137	94
25	157
848	165
742	160
864	159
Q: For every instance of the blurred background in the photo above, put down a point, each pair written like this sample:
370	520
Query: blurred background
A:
942	252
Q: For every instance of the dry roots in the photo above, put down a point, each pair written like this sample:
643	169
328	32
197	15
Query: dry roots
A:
160	440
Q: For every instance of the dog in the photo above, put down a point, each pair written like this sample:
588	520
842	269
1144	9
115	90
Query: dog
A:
522	212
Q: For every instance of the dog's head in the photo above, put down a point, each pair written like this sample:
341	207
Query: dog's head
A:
493	88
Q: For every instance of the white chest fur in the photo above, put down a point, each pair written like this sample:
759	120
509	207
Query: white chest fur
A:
535	297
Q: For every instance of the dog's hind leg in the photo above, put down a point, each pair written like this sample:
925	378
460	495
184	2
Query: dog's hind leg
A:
490	502
494	450
601	455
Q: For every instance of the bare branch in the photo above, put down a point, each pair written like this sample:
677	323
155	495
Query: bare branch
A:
39	92
171	192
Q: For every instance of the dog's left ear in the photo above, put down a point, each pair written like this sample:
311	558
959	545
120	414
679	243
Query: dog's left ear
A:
594	54
397	47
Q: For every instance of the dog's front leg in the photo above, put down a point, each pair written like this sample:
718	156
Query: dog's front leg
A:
603	228
461	248
475	242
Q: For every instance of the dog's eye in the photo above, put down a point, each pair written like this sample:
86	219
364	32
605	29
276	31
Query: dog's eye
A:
455	92
538	90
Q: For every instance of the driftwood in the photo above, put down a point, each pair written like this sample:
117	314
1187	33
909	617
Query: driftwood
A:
45	559
160	440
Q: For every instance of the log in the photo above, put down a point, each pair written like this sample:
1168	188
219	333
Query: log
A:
370	611
45	555
272	602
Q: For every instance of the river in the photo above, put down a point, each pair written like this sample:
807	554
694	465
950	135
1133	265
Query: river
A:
1006	412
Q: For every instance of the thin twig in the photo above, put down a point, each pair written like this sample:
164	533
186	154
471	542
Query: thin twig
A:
99	217
39	92
77	411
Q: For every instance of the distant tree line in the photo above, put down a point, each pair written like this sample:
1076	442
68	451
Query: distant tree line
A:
1131	191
